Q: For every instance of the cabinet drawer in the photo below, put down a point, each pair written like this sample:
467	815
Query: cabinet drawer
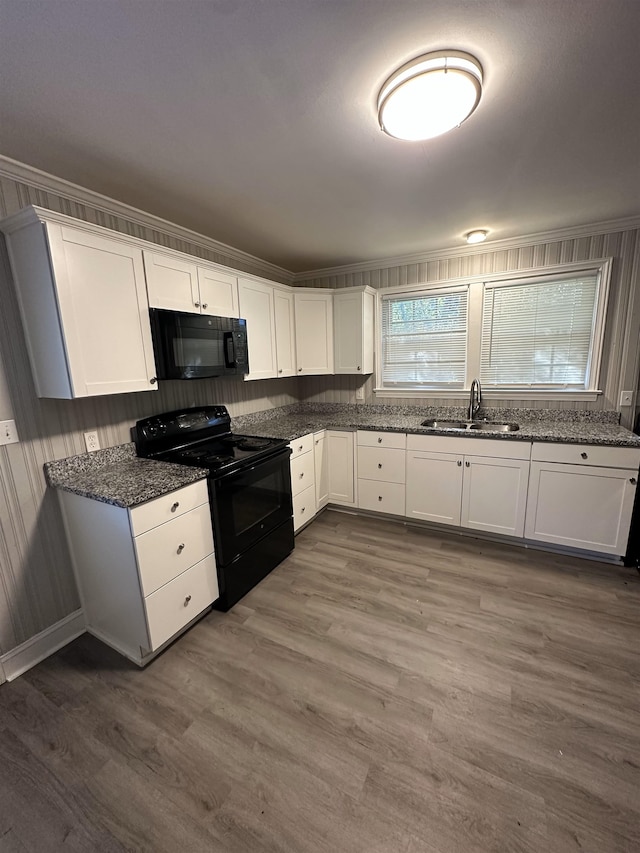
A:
368	438
304	507
381	463
168	507
302	472
301	445
586	454
175	604
166	551
381	497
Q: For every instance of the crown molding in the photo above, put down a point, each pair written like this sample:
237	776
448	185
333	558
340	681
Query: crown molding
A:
16	171
592	230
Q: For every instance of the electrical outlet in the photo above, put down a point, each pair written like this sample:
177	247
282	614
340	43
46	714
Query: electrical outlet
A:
8	432
91	441
626	398
360	393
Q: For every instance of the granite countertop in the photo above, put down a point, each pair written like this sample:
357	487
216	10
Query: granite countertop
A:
561	426
117	476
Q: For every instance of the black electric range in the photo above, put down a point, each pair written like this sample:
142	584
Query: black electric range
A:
249	490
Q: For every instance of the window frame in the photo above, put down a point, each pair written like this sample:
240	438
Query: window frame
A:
601	267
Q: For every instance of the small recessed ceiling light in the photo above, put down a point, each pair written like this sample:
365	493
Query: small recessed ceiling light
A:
476	236
430	95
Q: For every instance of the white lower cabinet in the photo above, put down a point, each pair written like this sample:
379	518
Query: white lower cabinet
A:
322	469
144	574
381	471
303	486
581	496
339	447
484	491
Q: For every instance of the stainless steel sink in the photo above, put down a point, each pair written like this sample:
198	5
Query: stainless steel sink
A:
476	426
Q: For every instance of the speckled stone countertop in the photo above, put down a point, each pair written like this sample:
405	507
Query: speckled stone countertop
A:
562	426
117	476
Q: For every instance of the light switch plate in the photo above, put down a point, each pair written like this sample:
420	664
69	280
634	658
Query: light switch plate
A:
626	398
91	441
360	393
8	432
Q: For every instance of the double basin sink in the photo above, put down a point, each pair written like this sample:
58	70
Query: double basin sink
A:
471	426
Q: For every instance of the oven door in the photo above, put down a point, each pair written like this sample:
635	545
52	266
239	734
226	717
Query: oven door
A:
249	504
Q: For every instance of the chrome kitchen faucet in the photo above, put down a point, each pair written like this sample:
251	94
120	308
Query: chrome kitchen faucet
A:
475	399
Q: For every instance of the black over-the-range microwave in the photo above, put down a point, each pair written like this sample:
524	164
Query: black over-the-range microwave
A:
197	346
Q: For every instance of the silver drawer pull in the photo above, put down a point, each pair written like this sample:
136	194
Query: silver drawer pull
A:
467	464
379	441
175	506
379	497
204	305
181	548
300	446
584	455
302	475
303	509
196	304
187	600
379	464
633	481
459	463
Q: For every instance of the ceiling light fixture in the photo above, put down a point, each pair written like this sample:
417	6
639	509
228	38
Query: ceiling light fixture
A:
477	236
430	95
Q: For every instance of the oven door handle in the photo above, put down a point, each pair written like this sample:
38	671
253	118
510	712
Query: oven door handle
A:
229	350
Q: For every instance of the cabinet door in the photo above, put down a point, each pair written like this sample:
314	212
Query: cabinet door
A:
218	292
314	332
434	486
256	307
321	469
353	330
285	332
104	312
580	507
494	494
171	282
340	466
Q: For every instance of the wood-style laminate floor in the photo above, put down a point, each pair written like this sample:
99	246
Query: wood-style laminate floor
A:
385	690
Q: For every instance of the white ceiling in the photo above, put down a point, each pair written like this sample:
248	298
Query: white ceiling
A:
254	122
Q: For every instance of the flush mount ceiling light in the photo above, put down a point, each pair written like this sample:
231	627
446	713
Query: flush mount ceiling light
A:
477	236
430	95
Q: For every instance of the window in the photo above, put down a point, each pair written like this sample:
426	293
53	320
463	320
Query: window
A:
525	336
424	340
538	334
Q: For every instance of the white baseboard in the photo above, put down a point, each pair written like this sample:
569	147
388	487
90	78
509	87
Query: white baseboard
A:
36	649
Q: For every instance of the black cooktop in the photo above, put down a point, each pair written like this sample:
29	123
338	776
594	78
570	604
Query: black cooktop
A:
223	452
201	436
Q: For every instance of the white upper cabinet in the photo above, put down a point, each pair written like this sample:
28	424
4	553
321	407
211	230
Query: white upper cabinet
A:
84	307
353	327
314	331
285	332
256	307
178	284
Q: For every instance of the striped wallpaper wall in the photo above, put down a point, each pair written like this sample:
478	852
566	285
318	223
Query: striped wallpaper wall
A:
36	581
621	356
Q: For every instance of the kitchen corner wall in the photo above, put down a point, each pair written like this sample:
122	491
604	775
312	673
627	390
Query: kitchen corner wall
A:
37	588
621	352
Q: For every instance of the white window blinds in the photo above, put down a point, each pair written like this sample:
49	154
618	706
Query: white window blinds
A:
539	334
424	339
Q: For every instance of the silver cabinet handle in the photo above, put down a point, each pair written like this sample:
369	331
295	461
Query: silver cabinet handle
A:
153	380
379	497
379	464
584	455
196	304
180	548
358	367
303	509
204	305
299	370
467	464
300	446
633	481
187	600
280	371
175	506
459	463
379	441
302	475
